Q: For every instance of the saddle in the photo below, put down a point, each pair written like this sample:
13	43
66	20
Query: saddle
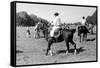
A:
57	33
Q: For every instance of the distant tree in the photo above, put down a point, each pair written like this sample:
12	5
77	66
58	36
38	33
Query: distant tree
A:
92	19
34	20
23	19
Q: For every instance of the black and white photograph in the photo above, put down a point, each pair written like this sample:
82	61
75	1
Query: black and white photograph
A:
54	33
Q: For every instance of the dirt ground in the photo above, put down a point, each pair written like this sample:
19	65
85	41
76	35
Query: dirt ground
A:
32	51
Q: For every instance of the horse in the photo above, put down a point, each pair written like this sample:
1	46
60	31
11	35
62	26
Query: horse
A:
37	31
82	33
65	35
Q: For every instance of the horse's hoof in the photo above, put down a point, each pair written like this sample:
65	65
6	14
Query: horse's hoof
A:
46	54
66	52
51	53
75	52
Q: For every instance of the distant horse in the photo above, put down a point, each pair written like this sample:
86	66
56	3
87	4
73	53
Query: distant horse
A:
82	33
37	31
65	35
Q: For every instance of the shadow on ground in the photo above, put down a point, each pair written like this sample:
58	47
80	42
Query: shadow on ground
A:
19	51
91	39
93	33
79	50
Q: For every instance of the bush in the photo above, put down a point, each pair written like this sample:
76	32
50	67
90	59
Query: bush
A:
23	19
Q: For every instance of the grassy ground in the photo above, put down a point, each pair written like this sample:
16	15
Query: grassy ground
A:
32	51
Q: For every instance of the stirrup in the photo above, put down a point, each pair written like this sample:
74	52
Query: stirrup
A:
56	36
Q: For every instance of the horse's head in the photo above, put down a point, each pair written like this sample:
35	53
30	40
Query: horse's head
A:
38	26
42	27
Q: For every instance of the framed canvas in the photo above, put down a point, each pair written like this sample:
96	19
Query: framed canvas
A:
52	33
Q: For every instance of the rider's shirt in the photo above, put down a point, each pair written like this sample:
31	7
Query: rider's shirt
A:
56	21
83	21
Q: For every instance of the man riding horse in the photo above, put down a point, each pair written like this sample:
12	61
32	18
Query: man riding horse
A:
83	29
83	22
56	25
63	35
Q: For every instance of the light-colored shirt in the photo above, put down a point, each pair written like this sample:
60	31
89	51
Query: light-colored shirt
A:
56	21
83	21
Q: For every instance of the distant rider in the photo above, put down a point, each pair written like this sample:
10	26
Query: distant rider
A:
83	21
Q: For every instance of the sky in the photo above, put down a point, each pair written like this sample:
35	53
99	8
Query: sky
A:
68	14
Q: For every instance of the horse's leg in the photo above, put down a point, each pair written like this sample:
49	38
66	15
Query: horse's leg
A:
39	34
86	37
49	48
79	34
35	34
83	36
29	32
92	31
83	39
67	45
27	35
80	37
44	34
75	50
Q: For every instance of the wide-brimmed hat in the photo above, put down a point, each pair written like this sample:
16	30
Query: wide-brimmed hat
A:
83	17
56	14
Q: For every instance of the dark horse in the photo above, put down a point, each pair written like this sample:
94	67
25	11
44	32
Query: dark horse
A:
65	35
82	33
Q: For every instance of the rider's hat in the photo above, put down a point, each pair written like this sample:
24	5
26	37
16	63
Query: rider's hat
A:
56	14
83	17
